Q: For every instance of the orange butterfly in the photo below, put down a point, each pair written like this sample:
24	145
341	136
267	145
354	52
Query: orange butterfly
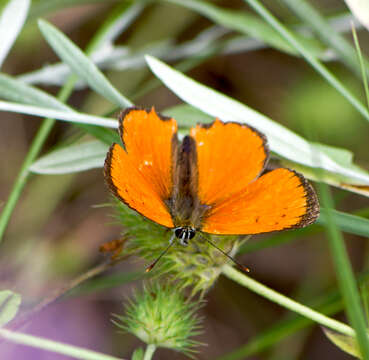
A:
213	181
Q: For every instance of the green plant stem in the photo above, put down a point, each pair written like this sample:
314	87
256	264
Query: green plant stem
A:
53	346
149	352
34	150
310	58
362	65
345	276
286	302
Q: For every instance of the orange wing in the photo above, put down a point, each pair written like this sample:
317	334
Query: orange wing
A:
280	199
229	156
140	174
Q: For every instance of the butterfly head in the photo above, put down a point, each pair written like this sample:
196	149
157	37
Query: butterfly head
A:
184	234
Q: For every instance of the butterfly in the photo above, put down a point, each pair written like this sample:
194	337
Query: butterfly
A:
213	181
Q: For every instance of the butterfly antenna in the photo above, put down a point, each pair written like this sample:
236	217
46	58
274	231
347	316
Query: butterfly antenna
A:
240	266
171	242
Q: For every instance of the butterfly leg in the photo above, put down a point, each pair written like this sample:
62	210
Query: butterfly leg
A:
172	239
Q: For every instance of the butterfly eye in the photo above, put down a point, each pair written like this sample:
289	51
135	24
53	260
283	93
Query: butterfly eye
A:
191	234
178	232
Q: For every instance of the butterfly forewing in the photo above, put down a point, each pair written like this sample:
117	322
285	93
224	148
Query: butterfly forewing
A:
141	173
229	156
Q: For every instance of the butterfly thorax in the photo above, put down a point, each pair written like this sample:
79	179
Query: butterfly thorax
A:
185	208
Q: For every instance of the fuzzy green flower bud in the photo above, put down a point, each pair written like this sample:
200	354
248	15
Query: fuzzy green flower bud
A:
197	265
160	316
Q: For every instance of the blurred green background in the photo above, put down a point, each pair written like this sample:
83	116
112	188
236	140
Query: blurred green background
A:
55	231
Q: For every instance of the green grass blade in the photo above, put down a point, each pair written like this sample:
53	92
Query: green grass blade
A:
363	65
74	158
309	57
81	65
324	30
73	117
12	18
9	305
249	25
345	276
54	346
281	140
351	224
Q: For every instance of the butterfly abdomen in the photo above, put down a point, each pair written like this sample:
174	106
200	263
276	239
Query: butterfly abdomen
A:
183	202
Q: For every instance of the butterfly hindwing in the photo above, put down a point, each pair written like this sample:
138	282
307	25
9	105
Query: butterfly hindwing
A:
280	199
140	174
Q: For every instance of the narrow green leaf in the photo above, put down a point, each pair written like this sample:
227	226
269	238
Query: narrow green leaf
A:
138	354
17	91
74	158
281	140
248	24
100	49
345	276
81	65
326	32
9	305
12	19
351	224
35	147
121	17
330	178
57	114
363	64
187	116
346	343
309	57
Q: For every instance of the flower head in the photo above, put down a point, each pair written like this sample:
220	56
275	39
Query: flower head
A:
161	316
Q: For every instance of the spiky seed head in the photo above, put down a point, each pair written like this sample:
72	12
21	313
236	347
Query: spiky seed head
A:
160	315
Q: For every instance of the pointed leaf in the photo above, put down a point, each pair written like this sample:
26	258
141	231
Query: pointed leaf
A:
9	304
81	65
58	114
281	140
351	224
17	91
346	343
74	158
12	19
